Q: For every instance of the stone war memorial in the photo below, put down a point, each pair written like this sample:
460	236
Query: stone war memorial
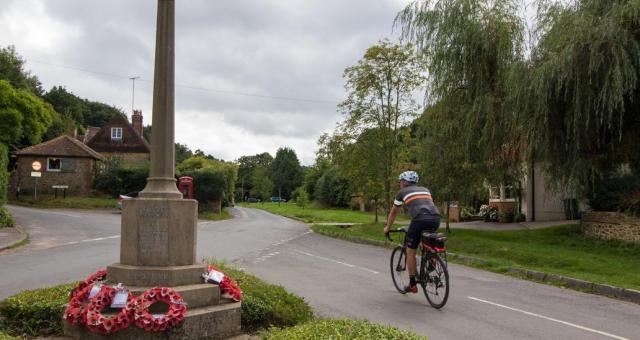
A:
159	233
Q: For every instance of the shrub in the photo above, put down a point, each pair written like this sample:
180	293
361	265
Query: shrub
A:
520	217
35	312
5	336
4	175
611	193
5	218
209	186
333	190
265	305
339	329
114	179
466	213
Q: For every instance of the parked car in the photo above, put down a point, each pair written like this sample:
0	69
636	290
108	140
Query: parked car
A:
278	199
253	200
132	194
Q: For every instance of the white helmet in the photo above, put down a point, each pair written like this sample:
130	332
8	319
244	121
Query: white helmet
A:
409	176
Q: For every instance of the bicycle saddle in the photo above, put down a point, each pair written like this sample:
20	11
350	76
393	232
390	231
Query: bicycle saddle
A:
432	236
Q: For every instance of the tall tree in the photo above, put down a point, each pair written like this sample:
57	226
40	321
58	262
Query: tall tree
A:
12	70
380	98
24	117
472	49
286	172
262	184
580	99
246	168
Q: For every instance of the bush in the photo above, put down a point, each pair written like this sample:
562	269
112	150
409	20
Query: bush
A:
339	329
35	312
333	190
114	179
612	192
5	336
520	217
466	213
5	218
209	186
4	175
265	305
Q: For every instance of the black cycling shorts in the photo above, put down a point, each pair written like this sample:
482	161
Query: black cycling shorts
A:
414	234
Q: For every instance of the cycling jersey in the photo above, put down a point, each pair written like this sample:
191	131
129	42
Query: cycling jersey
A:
418	202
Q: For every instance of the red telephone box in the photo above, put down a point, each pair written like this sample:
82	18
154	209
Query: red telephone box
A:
185	185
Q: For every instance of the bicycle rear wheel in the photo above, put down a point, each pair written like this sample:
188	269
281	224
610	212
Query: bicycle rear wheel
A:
399	273
436	281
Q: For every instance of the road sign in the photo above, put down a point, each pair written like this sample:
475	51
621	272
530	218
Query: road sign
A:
36	174
36	166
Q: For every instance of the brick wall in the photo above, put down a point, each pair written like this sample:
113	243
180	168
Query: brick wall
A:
611	226
80	180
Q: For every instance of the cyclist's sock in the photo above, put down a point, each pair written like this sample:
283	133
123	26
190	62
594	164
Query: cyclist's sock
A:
412	280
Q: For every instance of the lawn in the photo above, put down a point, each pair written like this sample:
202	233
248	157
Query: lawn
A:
559	250
48	201
314	214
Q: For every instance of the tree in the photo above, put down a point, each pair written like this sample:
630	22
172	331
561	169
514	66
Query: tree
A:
286	172
24	117
262	185
380	98
580	98
67	104
182	152
246	167
302	199
473	49
229	170
12	70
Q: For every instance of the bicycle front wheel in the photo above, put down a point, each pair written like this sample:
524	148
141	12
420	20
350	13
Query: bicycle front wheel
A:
399	273
436	283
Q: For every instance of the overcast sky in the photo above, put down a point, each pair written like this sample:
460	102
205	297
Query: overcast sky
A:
293	50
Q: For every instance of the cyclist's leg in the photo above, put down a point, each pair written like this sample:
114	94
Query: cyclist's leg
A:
412	241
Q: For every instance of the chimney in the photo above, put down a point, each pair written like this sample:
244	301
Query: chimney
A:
136	121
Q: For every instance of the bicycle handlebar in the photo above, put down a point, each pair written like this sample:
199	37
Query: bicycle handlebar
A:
399	230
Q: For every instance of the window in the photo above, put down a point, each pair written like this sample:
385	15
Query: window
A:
54	164
116	133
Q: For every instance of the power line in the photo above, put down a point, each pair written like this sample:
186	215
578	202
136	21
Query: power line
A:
189	87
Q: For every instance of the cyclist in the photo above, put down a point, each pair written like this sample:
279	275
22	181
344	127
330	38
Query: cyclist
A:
424	214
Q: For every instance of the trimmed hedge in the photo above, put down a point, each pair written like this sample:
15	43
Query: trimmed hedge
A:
265	305
4	175
35	312
339	329
5	218
39	312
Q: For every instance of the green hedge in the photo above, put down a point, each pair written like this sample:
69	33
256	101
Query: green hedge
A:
39	312
5	336
5	218
4	175
265	305
339	329
35	312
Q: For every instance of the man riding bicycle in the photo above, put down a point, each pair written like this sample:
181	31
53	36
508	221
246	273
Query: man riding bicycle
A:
424	214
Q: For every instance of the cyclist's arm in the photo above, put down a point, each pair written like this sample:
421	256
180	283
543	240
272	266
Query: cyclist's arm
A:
391	218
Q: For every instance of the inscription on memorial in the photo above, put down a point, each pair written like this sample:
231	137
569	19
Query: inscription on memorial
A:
153	236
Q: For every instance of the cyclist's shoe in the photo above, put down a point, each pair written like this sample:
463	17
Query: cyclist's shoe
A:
411	289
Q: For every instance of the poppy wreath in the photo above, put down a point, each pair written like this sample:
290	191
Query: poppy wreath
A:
98	323
100	275
159	323
74	312
228	287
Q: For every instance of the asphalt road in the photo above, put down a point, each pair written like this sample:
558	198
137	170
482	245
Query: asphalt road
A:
339	279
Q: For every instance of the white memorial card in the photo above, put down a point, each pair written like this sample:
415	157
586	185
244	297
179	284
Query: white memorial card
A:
216	276
120	300
94	291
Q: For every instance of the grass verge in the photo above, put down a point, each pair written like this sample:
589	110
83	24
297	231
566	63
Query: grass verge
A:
321	329
70	202
5	218
315	214
209	216
560	250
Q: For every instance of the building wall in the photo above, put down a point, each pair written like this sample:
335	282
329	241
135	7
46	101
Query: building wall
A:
80	180
548	205
129	159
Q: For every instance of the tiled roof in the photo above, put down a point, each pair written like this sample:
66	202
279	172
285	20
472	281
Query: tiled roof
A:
91	131
63	146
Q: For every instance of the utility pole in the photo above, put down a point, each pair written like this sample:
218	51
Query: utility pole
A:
133	92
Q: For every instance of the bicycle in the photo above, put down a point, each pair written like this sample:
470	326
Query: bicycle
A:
432	275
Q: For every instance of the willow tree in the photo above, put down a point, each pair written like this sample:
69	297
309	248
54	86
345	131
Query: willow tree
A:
380	98
580	98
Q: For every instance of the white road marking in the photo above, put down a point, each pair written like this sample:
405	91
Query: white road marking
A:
550	319
100	238
338	262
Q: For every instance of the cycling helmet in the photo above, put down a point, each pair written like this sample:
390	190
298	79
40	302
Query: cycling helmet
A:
409	176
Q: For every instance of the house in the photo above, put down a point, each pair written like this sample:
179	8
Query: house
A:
119	138
534	199
64	160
